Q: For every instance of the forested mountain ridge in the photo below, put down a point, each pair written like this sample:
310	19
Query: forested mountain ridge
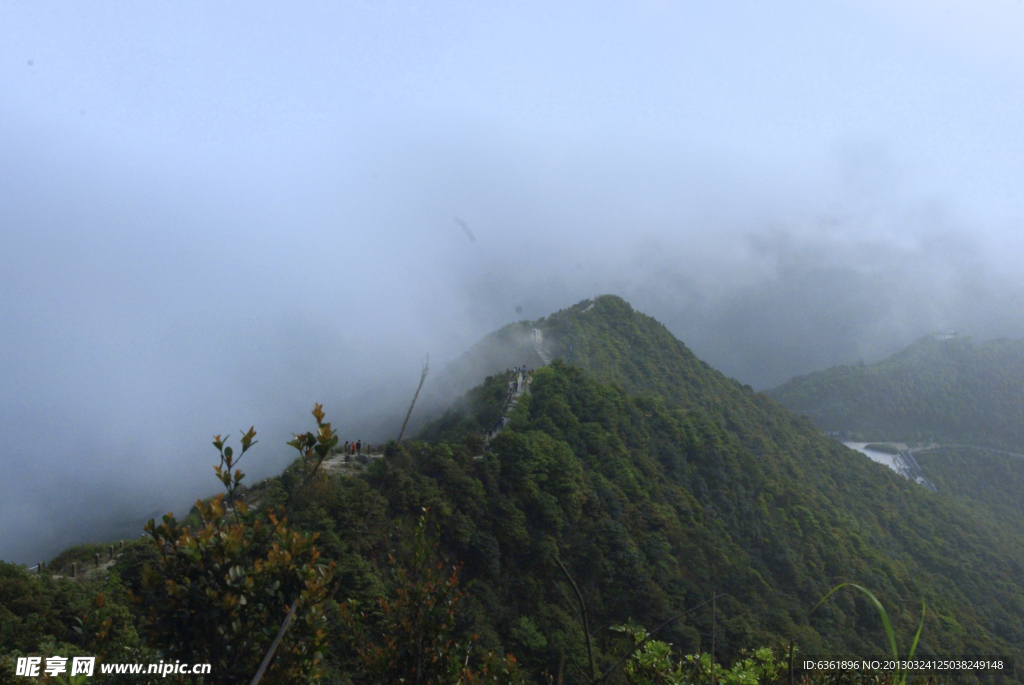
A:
793	511
677	495
949	390
656	481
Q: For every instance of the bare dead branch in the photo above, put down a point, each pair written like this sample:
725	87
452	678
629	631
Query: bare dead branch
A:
423	377
585	622
572	605
277	641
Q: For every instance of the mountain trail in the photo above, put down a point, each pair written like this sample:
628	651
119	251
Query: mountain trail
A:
518	382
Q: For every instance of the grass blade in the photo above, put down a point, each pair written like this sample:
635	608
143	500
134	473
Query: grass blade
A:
913	646
881	612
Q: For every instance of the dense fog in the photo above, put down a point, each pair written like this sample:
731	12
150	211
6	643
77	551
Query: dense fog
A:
214	216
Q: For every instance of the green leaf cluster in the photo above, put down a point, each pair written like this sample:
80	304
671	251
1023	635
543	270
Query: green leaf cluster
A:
218	595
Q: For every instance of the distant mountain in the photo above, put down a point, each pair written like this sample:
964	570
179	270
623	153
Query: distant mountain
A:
939	388
963	400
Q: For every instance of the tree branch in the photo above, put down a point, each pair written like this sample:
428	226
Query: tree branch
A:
277	641
312	473
423	377
586	625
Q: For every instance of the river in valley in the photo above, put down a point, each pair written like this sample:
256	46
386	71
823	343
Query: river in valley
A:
881	457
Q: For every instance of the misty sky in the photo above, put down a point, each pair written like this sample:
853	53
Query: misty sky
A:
213	215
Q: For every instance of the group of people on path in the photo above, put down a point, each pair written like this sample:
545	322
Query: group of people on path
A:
355	449
496	425
518	375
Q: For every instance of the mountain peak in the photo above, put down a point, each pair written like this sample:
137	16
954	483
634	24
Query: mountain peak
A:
605	337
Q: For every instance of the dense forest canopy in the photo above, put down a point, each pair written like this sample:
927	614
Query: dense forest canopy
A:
940	388
635	472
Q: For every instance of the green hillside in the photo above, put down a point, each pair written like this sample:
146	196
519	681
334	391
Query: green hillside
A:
667	503
656	481
777	501
950	390
990	483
